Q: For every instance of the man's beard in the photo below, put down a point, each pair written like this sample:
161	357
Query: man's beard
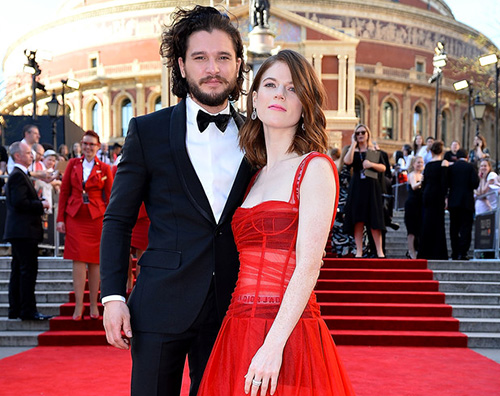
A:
210	99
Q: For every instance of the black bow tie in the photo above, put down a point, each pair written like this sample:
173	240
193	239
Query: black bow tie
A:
204	119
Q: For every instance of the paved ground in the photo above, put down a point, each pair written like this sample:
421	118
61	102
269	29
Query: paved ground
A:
493	354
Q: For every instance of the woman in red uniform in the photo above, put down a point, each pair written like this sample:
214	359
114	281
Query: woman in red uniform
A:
85	191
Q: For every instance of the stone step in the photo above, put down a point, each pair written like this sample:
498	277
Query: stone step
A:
43	274
19	338
45	285
473	298
43	263
475	311
471	265
480	325
42	296
44	308
483	340
23	325
469	287
466	276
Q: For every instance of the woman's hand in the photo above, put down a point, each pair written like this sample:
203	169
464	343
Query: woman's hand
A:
367	164
60	227
264	368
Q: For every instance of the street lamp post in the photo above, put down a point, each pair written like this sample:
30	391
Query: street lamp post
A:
53	109
478	109
484	61
438	61
32	68
459	85
70	83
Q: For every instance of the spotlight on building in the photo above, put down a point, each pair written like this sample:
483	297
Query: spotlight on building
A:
487	60
459	85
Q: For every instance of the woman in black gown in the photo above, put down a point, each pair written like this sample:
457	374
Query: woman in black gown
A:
364	202
434	186
413	205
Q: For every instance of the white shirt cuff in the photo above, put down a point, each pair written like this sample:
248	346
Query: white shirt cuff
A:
113	297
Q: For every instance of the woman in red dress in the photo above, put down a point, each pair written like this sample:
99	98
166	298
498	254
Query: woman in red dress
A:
85	191
273	339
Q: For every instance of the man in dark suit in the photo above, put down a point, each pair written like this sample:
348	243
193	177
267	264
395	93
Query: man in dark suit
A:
463	179
23	229
190	173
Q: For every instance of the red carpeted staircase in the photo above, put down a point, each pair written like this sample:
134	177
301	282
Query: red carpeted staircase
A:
363	301
385	302
64	331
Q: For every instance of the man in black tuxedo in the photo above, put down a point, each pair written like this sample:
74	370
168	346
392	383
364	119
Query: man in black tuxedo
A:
23	229
190	172
463	179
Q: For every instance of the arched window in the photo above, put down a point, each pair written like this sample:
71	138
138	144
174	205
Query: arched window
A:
158	103
126	111
444	126
359	108
96	118
388	121
418	121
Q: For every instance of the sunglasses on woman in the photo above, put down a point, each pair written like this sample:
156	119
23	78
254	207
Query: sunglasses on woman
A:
359	133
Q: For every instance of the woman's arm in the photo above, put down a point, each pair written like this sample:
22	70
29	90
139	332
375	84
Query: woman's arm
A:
317	200
349	156
415	185
64	193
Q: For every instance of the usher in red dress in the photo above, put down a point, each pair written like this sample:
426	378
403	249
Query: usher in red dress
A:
265	236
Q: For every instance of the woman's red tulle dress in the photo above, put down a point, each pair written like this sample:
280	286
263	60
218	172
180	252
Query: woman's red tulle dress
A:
265	236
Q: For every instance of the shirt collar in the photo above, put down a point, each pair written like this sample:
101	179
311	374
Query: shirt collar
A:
22	167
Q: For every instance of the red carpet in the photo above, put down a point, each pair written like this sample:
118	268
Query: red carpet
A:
363	301
374	371
387	303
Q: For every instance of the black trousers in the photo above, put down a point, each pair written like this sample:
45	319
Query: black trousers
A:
158	359
461	221
24	269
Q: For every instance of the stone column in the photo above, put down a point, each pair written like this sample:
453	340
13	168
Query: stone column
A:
374	107
351	85
107	127
342	84
140	99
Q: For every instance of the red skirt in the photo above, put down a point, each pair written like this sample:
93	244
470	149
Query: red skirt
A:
83	237
140	234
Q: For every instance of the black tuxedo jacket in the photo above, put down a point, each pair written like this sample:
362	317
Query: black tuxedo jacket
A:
24	208
463	179
187	249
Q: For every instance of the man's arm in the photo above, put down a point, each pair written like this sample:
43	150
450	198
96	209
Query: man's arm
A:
121	214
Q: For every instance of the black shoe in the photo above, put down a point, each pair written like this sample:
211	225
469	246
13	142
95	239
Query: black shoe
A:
464	258
13	316
394	226
37	316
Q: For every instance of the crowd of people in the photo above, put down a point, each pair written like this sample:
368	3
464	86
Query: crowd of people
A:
462	183
239	214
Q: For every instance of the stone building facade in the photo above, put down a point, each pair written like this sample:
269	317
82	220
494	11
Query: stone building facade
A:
374	58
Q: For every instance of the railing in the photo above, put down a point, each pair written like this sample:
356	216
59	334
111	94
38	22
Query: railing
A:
51	236
487	229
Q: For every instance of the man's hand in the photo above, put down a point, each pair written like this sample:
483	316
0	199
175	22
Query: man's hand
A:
61	227
45	204
117	324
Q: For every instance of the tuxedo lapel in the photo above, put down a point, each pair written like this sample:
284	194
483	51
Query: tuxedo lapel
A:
238	190
28	181
187	175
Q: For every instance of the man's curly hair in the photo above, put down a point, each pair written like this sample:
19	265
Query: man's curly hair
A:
174	43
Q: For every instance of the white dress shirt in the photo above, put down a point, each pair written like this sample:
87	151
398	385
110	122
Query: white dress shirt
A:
215	156
87	168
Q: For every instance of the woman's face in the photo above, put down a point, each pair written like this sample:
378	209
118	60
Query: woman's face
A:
419	164
276	101
90	145
77	148
418	140
484	168
361	134
478	142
